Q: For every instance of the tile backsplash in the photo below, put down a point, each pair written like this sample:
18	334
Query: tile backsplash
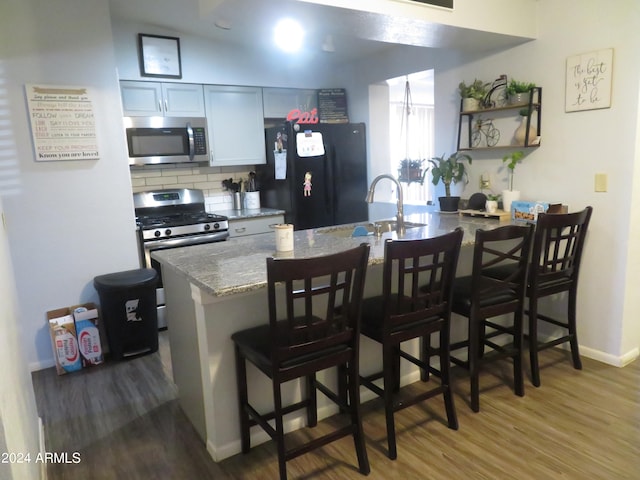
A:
201	176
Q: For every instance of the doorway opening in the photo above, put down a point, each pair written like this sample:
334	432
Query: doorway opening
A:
412	135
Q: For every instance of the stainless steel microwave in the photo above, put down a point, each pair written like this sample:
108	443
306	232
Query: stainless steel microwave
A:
159	140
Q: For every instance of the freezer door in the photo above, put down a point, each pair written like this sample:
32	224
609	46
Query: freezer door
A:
348	154
312	192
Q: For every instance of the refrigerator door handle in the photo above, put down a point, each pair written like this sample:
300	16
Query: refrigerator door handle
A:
328	175
334	172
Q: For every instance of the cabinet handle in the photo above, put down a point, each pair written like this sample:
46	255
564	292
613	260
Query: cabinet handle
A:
160	105
240	230
166	105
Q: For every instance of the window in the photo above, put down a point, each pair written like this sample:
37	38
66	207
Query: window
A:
418	144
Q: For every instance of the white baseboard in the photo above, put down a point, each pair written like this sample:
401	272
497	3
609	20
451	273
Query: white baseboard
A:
35	366
609	359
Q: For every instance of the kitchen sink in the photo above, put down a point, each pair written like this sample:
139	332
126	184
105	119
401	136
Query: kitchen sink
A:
346	231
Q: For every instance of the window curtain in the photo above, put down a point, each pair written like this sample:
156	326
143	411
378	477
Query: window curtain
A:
419	146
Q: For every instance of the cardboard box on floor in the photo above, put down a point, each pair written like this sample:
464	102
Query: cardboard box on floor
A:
75	341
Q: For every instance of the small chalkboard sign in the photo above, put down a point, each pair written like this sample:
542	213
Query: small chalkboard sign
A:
588	81
332	105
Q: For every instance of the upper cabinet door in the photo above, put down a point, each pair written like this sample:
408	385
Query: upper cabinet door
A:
141	99
278	102
236	125
183	100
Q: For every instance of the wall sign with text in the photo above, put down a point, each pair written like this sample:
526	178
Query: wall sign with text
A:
63	123
588	81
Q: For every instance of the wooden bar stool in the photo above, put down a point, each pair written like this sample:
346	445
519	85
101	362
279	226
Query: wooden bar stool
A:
481	298
417	305
555	265
305	334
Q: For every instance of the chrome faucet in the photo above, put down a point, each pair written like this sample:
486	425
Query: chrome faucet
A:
400	215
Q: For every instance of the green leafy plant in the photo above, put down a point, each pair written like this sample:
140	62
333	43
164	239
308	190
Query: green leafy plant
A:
494	197
512	160
525	112
478	89
449	170
515	86
410	170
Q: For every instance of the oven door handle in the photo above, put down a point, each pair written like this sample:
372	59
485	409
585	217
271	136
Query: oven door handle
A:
186	241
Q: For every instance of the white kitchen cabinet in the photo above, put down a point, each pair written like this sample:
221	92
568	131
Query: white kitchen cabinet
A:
254	225
141	99
278	102
236	125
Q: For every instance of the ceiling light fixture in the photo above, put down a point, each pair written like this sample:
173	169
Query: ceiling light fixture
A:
288	35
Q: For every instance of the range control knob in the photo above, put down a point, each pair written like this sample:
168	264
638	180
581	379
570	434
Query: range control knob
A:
207	227
216	226
167	232
157	233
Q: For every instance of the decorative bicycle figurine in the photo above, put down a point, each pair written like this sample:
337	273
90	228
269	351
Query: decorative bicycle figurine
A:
488	130
497	94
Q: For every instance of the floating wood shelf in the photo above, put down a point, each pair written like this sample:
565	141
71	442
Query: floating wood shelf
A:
498	214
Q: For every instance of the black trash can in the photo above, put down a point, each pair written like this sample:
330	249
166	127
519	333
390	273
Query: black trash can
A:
128	306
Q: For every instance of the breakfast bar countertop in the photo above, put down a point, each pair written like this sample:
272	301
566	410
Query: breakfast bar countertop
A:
238	265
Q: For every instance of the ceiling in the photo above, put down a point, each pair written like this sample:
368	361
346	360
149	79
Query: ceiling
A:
249	23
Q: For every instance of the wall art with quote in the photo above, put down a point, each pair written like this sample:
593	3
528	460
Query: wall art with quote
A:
588	81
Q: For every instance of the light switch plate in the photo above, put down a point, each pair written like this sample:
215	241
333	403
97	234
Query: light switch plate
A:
601	182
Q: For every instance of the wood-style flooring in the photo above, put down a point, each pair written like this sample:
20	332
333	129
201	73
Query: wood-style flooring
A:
124	421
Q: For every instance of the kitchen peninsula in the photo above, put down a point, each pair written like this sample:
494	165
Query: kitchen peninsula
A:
216	289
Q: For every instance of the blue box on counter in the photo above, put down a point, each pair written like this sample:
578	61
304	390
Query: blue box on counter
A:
522	211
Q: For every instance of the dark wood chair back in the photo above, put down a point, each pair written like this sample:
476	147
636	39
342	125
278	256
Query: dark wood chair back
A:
304	296
417	282
557	251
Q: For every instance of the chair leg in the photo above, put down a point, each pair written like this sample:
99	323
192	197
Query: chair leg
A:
356	418
243	400
474	355
445	378
279	427
518	378
312	407
425	356
388	363
571	321
533	342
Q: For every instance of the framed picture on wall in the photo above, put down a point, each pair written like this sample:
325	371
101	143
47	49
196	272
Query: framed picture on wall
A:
159	56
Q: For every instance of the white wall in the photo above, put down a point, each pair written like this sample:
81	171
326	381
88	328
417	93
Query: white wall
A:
18	414
575	146
66	221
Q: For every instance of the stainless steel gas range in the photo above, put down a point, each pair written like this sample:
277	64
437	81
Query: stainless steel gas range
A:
172	218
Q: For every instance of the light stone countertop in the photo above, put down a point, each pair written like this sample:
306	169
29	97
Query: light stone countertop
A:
239	264
247	213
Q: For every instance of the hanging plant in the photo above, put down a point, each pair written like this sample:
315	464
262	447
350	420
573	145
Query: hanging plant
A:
409	170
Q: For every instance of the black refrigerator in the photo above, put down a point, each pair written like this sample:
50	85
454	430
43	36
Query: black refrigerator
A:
317	173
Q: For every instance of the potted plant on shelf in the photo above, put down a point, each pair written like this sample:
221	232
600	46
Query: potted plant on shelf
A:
491	205
449	170
508	196
518	92
472	94
410	171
